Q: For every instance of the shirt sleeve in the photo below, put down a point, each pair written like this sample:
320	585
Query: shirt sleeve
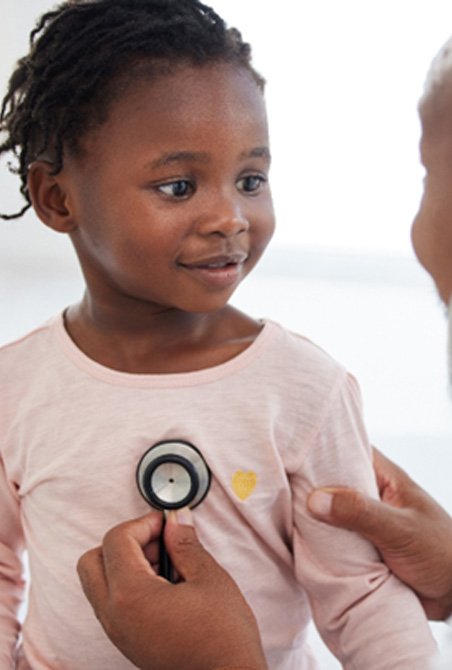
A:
365	615
11	581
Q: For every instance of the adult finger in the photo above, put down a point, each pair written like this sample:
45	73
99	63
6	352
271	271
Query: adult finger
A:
123	550
378	522
395	486
90	568
384	465
187	554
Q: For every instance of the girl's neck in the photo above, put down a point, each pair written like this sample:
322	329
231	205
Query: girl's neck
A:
170	341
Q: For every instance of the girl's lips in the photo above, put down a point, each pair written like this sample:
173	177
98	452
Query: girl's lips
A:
215	274
218	272
220	260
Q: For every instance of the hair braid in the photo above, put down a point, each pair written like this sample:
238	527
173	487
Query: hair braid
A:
63	87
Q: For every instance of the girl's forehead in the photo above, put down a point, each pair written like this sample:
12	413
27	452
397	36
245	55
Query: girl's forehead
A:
219	85
192	105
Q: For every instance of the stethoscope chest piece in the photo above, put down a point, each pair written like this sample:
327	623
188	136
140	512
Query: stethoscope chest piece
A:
173	474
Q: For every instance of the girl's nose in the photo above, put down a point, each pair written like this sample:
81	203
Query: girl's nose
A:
225	219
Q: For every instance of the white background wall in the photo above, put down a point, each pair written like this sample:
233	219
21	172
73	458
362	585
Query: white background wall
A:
343	83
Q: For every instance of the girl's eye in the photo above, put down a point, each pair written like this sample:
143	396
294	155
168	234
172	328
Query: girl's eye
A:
176	189
251	184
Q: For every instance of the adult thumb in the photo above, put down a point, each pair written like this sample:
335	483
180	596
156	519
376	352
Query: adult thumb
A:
187	554
346	508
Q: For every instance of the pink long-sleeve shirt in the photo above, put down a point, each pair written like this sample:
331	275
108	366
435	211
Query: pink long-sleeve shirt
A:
273	423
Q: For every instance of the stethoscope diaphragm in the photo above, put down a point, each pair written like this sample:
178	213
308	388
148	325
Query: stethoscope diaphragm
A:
173	474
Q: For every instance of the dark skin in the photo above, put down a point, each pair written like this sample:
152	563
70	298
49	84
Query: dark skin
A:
188	630
168	208
431	231
410	529
404	526
155	307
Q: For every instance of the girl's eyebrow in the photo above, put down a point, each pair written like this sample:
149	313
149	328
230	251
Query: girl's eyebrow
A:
257	152
179	157
202	157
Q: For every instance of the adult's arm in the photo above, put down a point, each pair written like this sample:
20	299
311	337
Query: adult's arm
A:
201	623
412	532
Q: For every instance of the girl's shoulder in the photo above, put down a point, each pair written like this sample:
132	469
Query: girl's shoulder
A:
300	353
27	345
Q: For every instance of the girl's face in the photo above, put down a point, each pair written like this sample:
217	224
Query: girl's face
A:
170	199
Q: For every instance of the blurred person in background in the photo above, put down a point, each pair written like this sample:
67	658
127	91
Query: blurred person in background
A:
411	531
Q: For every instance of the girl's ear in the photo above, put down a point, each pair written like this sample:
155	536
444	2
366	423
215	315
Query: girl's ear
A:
49	198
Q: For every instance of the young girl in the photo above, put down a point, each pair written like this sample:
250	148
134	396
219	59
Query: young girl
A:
140	131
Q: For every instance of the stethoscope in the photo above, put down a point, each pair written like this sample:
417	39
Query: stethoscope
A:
170	475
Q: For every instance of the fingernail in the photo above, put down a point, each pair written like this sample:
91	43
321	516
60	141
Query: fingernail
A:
320	503
184	517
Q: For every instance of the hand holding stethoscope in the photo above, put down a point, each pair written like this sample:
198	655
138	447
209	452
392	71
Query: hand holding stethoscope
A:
170	475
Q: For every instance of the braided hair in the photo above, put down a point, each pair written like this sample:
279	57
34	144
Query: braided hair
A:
79	51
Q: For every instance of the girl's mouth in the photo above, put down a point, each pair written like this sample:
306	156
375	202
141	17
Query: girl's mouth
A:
218	272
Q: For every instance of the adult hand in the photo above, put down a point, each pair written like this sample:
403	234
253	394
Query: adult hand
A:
412	532
201	623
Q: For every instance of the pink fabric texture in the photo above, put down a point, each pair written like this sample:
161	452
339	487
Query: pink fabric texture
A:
273	423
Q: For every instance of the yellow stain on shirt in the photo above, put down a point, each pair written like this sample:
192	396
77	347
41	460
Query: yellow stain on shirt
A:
243	484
